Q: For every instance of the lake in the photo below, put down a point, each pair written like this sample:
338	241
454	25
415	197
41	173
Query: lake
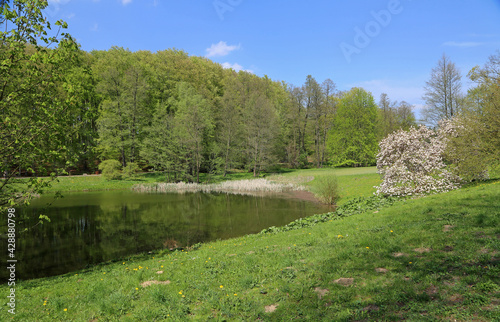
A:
92	227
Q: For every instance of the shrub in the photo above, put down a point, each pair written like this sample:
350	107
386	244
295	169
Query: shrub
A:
110	169
411	162
327	189
465	151
130	170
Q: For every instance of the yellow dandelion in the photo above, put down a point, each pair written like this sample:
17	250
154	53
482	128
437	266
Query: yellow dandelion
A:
235	294
180	292
44	303
104	273
136	288
391	231
221	286
410	262
367	247
65	310
183	296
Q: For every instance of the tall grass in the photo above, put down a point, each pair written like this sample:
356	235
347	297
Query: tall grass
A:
233	187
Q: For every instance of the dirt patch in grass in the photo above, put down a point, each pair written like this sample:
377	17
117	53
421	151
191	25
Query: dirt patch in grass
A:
381	270
448	228
370	308
344	281
149	283
271	308
399	254
422	250
321	292
455	299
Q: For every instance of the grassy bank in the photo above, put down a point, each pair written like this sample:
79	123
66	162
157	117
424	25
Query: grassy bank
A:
432	259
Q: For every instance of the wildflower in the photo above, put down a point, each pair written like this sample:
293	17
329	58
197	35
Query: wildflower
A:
65	310
221	286
180	292
183	296
367	247
391	231
136	288
235	294
123	263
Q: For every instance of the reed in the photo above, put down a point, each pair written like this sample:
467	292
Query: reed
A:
234	187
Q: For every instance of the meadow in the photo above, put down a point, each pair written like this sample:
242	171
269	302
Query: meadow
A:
432	258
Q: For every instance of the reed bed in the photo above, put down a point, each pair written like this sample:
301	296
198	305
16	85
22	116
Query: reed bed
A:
234	187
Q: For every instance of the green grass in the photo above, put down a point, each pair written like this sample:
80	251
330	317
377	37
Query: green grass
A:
429	259
352	182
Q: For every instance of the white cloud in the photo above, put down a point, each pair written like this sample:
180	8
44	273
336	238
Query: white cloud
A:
220	49
463	44
126	2
237	67
95	27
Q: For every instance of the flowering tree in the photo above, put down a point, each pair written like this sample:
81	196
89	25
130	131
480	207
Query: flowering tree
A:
411	162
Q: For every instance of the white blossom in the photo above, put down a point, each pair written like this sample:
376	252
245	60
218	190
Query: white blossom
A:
411	162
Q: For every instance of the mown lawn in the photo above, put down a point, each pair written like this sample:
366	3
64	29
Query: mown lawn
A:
429	259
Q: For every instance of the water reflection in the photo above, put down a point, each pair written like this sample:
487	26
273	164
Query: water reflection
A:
88	228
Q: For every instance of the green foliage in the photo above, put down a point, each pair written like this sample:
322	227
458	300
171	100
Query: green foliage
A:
37	100
353	136
111	169
131	170
327	189
352	207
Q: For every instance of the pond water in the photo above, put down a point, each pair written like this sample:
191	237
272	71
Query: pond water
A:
93	227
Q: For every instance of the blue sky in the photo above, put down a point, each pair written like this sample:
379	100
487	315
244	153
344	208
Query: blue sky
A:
381	45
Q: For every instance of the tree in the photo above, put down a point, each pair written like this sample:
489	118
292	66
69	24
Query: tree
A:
194	125
33	107
260	131
481	117
352	140
405	117
296	123
315	106
411	163
124	88
230	120
443	96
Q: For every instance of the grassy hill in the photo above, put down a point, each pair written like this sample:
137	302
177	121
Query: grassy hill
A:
429	259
